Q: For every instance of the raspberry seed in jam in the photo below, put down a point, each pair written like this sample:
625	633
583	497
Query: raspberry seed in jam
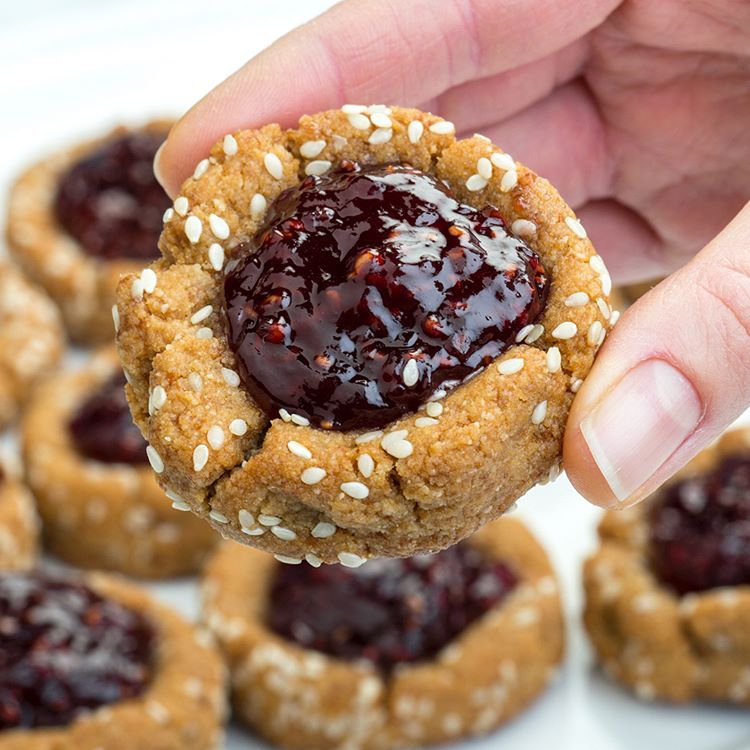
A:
370	288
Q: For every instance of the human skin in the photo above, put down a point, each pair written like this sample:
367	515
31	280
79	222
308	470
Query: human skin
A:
636	110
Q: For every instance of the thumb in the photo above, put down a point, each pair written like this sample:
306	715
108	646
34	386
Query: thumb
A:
674	374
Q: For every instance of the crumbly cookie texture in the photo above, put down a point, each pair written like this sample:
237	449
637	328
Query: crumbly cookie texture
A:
31	340
305	700
660	645
82	286
183	707
99	515
19	524
431	478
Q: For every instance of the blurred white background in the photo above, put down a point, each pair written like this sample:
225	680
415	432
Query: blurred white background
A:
73	68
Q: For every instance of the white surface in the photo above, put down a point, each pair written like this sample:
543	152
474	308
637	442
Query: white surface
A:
74	68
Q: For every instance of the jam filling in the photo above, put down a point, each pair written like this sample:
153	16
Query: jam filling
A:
64	650
103	430
110	200
370	288
700	530
389	611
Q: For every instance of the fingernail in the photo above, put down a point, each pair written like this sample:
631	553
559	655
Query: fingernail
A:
157	160
640	423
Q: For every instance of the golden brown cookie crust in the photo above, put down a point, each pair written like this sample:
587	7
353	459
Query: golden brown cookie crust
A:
83	286
19	524
97	515
182	708
305	700
31	340
660	645
497	435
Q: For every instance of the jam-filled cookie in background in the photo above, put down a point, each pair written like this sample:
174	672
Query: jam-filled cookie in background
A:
668	592
81	217
377	331
31	340
397	653
87	466
19	525
95	663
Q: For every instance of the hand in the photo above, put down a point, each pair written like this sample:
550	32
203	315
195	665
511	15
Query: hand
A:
636	110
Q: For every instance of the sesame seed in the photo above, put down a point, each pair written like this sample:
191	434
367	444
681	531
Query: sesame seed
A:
299	420
201	315
258	205
313	475
410	373
283	533
238	427
475	183
230	377
154	459
414	131
180	505
614	317
200	169
215	437
218	517
393	437
157	712
268	520
288	560
200	457
381	120
323	530
439	394
313	560
575	385
366	465
168	215
606	282
523	228
357	490
484	167
354	109
298	449
604	308
509	181
524	332
285	415
219	227
378	108
358	121
539	413
425	422
317	167
148	279
503	161
534	333
595	331
380	135
116	317
246	518
579	299
367	437
216	256
257	531
434	409
554	359
398	448
230	145
575	226
511	366
181	205
311	149
195	381
350	560
565	330
193	229
204	333
158	397
443	127
273	166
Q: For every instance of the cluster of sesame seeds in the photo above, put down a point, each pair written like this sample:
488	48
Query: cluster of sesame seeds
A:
597	265
395	444
144	284
484	172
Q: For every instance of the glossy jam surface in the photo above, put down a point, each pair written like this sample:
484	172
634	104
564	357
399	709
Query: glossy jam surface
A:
110	200
64	649
103	430
362	270
389	611
700	530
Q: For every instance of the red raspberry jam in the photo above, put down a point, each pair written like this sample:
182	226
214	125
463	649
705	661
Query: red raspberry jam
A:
700	530
110	200
103	430
389	611
64	650
370	288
